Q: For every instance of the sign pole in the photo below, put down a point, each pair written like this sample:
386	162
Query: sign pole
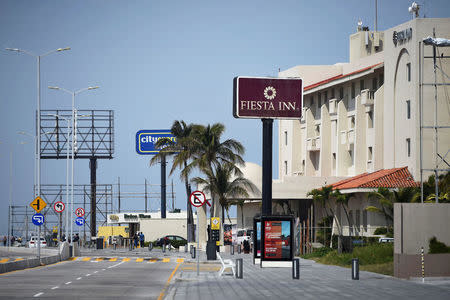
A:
267	167
163	186
198	248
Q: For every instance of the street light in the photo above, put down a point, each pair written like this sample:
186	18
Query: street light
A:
38	135
73	93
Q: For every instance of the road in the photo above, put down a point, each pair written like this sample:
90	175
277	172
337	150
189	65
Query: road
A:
91	278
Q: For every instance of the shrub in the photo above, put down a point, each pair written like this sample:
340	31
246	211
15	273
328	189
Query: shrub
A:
380	230
177	244
438	247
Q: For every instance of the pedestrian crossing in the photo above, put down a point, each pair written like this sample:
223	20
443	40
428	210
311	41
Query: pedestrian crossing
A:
127	259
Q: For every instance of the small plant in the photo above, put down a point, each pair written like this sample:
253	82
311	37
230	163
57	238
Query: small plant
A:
438	247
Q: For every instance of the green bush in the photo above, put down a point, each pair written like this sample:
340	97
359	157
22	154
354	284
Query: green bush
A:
318	252
438	247
380	230
177	244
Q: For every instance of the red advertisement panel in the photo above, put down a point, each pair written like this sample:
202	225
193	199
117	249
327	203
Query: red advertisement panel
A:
272	239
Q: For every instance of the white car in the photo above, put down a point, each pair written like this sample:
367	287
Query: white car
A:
385	240
33	242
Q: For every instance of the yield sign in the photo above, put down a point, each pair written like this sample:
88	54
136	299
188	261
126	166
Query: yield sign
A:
59	207
79	212
197	199
38	204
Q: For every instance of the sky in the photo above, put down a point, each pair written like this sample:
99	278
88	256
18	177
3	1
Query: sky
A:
156	62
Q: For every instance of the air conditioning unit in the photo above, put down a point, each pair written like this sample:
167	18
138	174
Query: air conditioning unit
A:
376	39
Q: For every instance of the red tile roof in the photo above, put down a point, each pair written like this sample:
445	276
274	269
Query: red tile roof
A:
311	86
390	178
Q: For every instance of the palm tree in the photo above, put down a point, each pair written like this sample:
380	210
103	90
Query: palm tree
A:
182	154
324	197
227	184
208	152
385	200
342	199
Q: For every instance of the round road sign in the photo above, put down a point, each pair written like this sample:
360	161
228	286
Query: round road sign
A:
79	212
38	219
79	221
59	207
197	199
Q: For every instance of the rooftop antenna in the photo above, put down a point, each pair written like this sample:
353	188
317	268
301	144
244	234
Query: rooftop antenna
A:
414	9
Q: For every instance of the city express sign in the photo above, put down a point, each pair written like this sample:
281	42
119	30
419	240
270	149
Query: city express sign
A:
267	98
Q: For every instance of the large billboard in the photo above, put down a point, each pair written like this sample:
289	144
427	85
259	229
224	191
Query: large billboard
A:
267	98
277	238
146	140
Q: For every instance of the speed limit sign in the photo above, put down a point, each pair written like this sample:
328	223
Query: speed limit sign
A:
79	212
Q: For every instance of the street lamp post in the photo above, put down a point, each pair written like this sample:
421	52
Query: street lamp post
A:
73	93
38	125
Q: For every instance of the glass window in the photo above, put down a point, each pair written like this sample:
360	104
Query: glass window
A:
408	109
408	71
285	138
325	96
361	85
381	79
319	96
374	83
353	90
332	93
285	167
370	119
408	147
341	92
369	153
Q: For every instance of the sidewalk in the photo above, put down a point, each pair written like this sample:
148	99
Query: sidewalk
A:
317	281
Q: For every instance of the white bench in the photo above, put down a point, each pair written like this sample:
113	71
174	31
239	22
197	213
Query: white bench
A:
226	264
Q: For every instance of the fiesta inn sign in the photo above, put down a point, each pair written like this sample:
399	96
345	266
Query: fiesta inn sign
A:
401	37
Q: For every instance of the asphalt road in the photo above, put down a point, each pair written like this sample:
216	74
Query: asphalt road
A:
92	279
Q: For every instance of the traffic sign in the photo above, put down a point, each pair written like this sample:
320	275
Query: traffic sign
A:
59	207
215	223
79	221
197	199
38	219
79	212
38	204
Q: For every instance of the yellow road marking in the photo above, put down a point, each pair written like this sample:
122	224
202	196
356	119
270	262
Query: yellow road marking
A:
72	258
166	260
153	260
113	259
99	259
18	259
4	260
180	260
161	295
86	259
139	260
126	259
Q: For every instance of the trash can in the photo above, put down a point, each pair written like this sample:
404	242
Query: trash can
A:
99	243
211	250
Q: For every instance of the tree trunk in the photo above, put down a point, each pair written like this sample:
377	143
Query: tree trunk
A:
190	215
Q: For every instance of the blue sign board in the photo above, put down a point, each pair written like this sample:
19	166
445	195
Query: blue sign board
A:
79	221
38	219
146	140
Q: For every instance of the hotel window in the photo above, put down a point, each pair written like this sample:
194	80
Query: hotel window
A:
341	93
408	71
361	85
285	138
352	122
369	153
381	79
408	147
285	167
353	90
374	84
370	119
332	93
303	166
325	97
319	96
311	101
334	161
408	109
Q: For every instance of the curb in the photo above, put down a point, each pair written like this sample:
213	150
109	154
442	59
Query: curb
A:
28	263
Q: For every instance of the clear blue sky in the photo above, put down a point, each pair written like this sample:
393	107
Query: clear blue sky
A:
158	61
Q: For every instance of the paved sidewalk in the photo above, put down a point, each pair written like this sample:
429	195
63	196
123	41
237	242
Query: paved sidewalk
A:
317	281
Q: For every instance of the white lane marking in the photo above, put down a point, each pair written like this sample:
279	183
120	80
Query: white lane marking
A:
68	282
87	275
116	265
55	287
38	294
78	278
95	272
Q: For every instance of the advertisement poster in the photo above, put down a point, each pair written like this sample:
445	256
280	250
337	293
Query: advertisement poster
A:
277	239
258	239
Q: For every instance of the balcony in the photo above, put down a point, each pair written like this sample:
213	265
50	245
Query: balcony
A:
367	97
313	144
351	136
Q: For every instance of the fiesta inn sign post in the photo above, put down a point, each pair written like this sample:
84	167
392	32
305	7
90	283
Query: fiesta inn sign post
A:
267	99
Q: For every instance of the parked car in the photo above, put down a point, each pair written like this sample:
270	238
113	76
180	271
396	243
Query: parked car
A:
34	240
385	240
169	239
